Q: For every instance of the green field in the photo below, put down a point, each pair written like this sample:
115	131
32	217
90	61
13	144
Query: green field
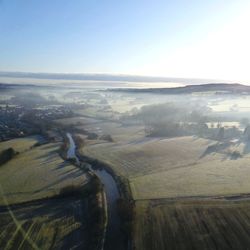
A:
20	144
37	173
162	225
77	120
210	178
139	155
119	133
28	219
164	172
177	167
187	192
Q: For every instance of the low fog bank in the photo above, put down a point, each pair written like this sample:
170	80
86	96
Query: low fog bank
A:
214	115
102	77
92	80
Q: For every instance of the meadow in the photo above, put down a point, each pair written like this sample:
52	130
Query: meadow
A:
36	173
32	215
180	184
176	167
20	144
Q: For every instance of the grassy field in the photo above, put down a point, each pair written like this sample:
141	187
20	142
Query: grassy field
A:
241	104
196	224
173	181
47	224
20	144
177	169
122	104
160	168
27	220
139	155
77	120
209	178
119	133
37	173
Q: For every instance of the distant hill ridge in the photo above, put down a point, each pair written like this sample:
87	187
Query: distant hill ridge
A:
233	88
102	77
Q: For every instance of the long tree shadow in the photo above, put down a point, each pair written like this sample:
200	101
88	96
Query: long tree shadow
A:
56	216
224	149
216	148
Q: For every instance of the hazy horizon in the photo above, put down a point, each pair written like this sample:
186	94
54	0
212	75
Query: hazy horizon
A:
104	80
204	40
124	125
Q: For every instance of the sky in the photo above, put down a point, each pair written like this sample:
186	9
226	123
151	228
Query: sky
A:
187	39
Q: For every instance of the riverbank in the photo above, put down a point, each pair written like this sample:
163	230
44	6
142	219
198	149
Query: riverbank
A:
125	204
98	208
117	235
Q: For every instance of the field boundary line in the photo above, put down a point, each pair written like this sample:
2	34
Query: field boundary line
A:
233	197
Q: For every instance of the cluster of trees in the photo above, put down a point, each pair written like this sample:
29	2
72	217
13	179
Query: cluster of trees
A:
96	217
106	137
32	99
172	120
92	136
64	148
79	141
6	155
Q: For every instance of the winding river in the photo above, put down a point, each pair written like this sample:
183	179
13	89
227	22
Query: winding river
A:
114	238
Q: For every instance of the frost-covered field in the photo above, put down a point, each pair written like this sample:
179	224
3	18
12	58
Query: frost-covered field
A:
20	144
36	173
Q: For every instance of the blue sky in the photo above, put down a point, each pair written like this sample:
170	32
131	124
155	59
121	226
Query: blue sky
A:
203	39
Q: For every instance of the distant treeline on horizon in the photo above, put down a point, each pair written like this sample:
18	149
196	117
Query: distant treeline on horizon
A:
103	77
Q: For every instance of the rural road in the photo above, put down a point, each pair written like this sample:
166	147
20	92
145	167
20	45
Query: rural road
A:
114	238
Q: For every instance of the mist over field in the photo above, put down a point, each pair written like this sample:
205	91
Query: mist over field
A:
124	125
152	150
101	80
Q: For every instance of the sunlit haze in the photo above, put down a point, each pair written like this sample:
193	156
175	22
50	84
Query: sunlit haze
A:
188	39
125	124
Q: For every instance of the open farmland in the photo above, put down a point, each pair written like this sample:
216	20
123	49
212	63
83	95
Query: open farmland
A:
192	225
37	173
174	179
210	178
140	156
123	104
45	224
96	112
119	132
177	167
241	104
184	175
77	120
20	144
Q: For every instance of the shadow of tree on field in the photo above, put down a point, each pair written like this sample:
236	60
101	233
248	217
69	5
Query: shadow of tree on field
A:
216	148
55	216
